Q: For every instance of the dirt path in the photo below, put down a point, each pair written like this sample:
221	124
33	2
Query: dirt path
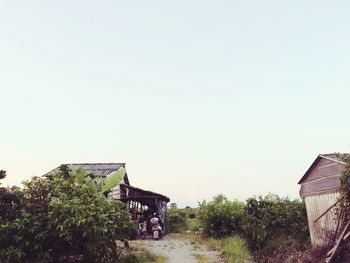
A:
178	250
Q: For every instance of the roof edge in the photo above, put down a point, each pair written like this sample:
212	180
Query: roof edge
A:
90	163
310	168
315	163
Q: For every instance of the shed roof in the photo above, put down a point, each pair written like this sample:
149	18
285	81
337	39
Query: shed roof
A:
100	169
139	194
336	157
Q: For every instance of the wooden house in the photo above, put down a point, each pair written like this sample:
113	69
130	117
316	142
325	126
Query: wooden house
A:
137	200
319	187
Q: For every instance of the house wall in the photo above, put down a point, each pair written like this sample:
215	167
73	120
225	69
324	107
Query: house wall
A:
321	229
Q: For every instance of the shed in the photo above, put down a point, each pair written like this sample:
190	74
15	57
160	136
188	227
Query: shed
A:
319	187
136	200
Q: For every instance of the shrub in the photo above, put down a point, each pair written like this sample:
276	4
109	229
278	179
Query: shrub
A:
270	217
61	217
222	219
176	219
258	221
235	250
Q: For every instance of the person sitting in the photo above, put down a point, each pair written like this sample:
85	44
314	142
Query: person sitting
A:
155	224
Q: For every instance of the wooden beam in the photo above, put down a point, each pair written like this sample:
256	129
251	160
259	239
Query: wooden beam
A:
325	212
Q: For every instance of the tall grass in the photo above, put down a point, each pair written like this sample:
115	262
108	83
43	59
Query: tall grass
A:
144	257
192	224
235	250
139	254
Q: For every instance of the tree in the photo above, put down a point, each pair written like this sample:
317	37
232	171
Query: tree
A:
63	216
219	198
175	218
221	219
2	174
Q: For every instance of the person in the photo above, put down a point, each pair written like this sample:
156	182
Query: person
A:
155	224
143	231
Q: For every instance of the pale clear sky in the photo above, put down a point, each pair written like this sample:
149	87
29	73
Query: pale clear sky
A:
197	97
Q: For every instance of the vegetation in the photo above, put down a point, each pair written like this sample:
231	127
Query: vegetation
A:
175	219
274	218
341	250
66	217
262	224
345	182
258	220
141	256
221	218
201	258
233	249
62	218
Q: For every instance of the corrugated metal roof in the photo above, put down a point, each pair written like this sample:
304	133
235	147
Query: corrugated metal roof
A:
100	169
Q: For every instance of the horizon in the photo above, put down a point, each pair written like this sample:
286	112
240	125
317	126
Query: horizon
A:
198	99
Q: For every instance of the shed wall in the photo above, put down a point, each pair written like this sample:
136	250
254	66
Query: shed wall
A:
321	229
324	178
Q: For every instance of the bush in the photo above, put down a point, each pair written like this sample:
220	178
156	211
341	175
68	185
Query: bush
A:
258	221
176	219
222	219
60	218
271	217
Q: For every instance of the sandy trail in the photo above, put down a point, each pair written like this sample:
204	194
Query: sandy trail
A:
178	250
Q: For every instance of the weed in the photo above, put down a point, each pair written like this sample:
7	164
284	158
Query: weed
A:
201	258
235	250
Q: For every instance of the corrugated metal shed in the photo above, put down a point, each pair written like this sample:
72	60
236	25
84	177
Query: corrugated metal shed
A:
322	226
320	189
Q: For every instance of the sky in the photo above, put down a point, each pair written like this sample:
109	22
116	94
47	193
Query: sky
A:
198	98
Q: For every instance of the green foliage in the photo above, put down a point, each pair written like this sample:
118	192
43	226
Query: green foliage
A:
221	219
182	219
270	217
176	217
257	221
59	217
90	180
2	174
235	250
345	182
8	200
192	224
142	257
113	180
219	198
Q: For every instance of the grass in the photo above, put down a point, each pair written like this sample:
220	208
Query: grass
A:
141	255
201	258
234	249
192	224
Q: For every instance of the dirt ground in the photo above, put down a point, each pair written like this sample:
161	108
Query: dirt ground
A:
178	250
